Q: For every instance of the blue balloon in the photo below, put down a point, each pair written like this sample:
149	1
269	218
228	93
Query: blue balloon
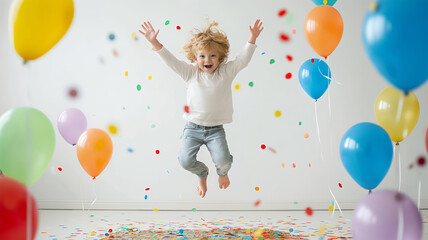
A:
395	37
321	2
366	152
314	77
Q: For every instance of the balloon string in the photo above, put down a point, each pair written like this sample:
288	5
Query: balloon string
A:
419	195
400	222
397	156
322	159
93	191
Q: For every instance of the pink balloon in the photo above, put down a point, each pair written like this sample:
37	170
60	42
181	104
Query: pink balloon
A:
385	215
71	124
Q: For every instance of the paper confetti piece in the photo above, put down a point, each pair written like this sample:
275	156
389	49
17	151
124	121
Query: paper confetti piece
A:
60	169
251	84
289	58
263	146
178	28
112	129
138	87
111	36
340	185
294	31
283	165
157	151
330	208
294	165
284	37
306	135
126	73
237	86
150	77
156	210
421	161
277	113
257	188
147	189
309	211
282	12
186	109
272	150
288	75
133	35
115	53
272	61
257	203
167	22
72	92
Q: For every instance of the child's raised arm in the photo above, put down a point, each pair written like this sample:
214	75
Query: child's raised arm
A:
151	35
255	31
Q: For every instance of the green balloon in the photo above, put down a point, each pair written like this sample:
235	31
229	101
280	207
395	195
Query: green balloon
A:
27	143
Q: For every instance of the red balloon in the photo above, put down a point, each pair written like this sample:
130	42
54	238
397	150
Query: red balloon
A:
13	210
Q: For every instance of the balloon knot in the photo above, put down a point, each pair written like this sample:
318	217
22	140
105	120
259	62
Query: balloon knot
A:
373	6
397	144
25	61
399	197
370	192
406	93
93	178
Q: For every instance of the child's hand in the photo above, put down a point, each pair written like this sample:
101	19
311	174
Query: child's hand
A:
151	35
255	31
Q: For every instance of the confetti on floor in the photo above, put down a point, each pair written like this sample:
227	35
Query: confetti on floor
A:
228	233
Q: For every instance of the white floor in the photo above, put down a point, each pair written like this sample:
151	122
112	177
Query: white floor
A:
95	224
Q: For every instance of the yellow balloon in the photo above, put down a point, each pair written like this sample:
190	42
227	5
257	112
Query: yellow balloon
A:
396	112
37	25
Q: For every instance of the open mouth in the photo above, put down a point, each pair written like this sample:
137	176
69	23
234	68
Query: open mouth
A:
208	66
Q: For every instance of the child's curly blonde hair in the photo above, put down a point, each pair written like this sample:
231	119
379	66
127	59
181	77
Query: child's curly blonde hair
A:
211	38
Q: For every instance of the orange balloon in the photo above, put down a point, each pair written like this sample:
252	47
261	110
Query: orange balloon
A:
323	29
94	150
426	140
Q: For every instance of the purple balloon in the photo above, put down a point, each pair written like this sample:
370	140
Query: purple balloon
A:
71	124
386	215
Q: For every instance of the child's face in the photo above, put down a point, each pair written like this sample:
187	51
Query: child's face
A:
207	60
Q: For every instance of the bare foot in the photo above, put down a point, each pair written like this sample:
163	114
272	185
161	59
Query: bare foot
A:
223	182
202	186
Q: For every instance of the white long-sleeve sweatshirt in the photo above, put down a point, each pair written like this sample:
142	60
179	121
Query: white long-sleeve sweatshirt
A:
209	95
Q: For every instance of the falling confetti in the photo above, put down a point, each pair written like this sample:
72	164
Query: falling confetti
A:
263	53
126	73
72	92
300	123
134	35
340	185
193	209
237	86
157	151
115	53
111	36
294	31
330	208
277	113
156	210
257	188
272	61
309	211
167	22
306	135
284	37
272	150
282	12
130	150
186	109
150	77
138	87
263	146
257	203
310	165
289	58
421	161
145	197
294	165
251	84
60	169
147	189
112	129
288	75
178	28
283	165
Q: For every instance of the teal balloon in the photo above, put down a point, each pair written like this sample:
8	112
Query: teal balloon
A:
27	144
321	2
366	153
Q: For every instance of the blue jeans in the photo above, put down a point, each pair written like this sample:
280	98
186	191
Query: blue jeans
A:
194	136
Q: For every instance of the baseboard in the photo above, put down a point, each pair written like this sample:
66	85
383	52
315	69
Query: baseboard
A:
188	206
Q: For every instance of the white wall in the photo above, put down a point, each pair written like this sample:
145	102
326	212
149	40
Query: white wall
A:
106	97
